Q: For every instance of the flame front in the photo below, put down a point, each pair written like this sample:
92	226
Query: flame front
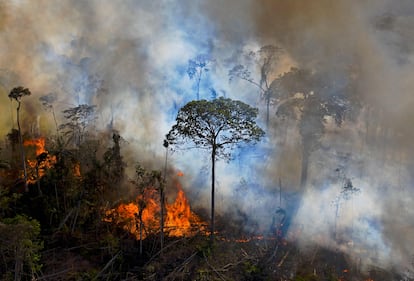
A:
179	219
38	165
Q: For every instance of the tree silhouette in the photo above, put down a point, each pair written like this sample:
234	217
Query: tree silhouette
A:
306	97
266	59
217	125
47	102
17	94
196	68
79	118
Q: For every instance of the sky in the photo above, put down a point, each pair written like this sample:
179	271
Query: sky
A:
129	58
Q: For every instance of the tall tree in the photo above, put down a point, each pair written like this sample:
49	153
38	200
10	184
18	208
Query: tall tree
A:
217	125
307	97
196	68
79	118
17	94
266	59
114	163
47	102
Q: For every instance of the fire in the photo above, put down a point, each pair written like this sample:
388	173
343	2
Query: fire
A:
38	143
179	219
127	216
42	159
76	170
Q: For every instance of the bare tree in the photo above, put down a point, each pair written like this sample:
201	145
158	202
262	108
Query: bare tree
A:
266	59
79	118
47	102
196	68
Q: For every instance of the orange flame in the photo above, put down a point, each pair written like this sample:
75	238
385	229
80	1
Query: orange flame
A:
33	164
179	219
76	170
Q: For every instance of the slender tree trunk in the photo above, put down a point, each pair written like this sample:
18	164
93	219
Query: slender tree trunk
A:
140	233
57	198
18	265
162	196
198	84
213	170
267	109
23	155
280	192
304	169
39	190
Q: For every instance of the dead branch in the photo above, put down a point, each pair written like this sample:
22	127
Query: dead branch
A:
181	267
212	267
54	274
163	249
274	253
110	262
283	259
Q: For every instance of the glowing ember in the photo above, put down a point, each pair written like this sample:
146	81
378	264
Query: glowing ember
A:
76	170
43	160
179	219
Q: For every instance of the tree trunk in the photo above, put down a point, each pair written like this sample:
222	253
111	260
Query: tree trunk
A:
198	84
213	170
140	233
304	169
267	109
18	265
162	196
23	155
39	190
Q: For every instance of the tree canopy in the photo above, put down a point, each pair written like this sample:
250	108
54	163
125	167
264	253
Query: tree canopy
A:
219	124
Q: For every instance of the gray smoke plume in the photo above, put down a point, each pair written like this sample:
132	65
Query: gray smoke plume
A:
129	58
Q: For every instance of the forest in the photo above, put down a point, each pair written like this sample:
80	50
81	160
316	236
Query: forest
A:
196	146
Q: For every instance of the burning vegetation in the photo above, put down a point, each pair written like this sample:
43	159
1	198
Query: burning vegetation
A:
179	220
40	161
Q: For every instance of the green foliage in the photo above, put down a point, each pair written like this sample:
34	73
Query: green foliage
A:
216	124
20	245
309	277
204	249
113	162
251	268
7	199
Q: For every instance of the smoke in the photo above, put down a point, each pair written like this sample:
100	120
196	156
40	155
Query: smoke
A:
374	39
129	58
